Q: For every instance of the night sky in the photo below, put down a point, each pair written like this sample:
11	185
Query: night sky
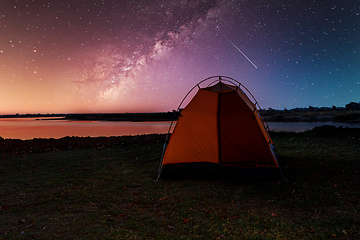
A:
143	56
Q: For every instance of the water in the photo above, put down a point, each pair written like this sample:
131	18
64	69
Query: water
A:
29	128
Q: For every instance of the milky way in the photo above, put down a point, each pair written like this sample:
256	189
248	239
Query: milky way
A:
143	56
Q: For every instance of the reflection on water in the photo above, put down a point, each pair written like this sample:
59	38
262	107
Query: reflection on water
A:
28	128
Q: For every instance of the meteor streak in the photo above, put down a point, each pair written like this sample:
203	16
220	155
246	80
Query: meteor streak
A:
242	53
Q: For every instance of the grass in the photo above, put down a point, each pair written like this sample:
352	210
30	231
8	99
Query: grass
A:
348	116
109	193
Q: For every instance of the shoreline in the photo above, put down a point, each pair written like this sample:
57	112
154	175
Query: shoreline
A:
293	115
38	145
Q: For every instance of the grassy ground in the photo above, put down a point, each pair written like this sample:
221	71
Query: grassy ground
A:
108	192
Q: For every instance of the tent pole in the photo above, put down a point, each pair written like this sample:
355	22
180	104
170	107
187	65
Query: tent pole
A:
165	144
273	152
161	161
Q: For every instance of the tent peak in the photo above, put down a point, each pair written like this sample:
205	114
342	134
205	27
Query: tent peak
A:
221	87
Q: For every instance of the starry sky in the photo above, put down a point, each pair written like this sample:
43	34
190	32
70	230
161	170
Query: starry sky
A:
145	55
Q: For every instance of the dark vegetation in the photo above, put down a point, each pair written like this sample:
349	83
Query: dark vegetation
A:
39	145
102	188
133	117
350	114
36	115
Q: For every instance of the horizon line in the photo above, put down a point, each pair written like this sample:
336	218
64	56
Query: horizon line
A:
169	111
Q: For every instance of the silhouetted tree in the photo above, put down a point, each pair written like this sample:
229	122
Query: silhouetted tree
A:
352	106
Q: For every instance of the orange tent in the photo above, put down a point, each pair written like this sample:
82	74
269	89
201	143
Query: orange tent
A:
220	132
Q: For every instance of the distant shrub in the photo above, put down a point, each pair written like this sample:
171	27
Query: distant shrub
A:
352	106
348	116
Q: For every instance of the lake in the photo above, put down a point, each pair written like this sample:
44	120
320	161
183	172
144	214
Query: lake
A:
29	128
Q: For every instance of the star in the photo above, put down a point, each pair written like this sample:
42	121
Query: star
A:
109	56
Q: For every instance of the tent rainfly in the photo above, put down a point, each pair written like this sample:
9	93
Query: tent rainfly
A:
220	133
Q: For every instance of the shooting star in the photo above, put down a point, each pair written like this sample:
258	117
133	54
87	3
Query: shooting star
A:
242	53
